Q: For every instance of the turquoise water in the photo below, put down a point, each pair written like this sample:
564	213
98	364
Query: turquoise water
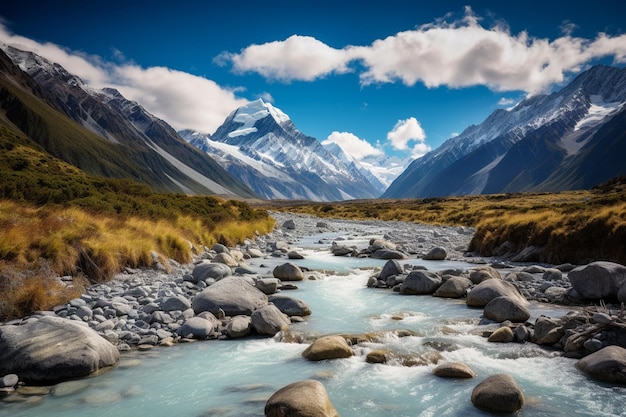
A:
235	378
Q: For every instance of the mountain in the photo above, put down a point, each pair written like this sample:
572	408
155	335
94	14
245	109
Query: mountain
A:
571	139
101	132
260	145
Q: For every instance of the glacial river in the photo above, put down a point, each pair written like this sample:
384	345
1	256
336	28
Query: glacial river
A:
235	378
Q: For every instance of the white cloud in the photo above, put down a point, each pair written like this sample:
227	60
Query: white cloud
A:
457	54
296	58
420	150
505	101
352	144
406	131
183	100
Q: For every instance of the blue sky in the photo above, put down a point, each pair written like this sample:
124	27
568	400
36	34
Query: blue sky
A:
405	75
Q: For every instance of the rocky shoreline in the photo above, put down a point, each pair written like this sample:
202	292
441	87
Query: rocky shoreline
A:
229	293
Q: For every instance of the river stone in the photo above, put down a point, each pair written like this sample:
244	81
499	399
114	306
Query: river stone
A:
233	295
226	259
507	308
52	349
498	393
420	283
436	254
454	287
391	267
9	381
239	326
607	364
288	272
206	269
196	328
269	320
503	334
174	303
454	370
254	253
267	285
219	248
598	279
552	274
328	347
301	399
290	306
289	224
489	289
294	255
388	254
547	331
482	273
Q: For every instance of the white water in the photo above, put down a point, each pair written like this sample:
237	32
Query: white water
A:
235	378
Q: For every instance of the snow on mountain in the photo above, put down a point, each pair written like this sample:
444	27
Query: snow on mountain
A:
260	145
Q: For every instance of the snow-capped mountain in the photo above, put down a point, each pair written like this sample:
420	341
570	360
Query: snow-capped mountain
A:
261	146
116	137
539	145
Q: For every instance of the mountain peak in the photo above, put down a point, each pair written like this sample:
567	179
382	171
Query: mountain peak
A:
250	113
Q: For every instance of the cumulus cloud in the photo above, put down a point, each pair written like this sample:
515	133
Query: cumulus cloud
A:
183	100
409	130
296	58
456	54
352	144
504	101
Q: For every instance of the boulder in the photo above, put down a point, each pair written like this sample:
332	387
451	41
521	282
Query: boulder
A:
391	267
552	274
489	289
507	308
377	356
206	269
197	328
482	273
420	282
294	255
288	272
454	287
290	306
301	399
269	320
239	326
233	295
9	381
607	364
226	259
289	224
598	279
454	370
51	349
388	254
219	248
503	334
436	254
498	393
267	285
547	331
254	253
174	303
328	347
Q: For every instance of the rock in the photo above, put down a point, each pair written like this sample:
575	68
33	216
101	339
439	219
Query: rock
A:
328	347
377	356
289	224
454	370
239	326
522	334
503	334
294	255
391	267
288	272
489	289
547	331
482	273
9	381
608	364
598	279
219	248
206	269
301	399
290	306
52	349
520	277
226	259
507	308
175	303
552	274
233	295
267	285
388	254
197	328
254	253
420	283
269	320
455	287
436	254
498	393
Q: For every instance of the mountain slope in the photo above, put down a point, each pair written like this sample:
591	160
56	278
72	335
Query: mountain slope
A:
536	146
101	132
261	146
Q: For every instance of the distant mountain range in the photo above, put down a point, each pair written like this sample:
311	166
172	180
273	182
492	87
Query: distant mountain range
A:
572	139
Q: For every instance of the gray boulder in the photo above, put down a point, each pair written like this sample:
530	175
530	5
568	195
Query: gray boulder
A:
482	273
219	248
301	399
436	254
420	283
454	287
489	289
292	254
269	320
233	295
607	364
206	269
507	308
175	303
50	349
9	381
598	279
454	370
498	393
388	254
288	272
226	259
267	285
289	224
391	267
197	328
290	306
547	331
239	326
